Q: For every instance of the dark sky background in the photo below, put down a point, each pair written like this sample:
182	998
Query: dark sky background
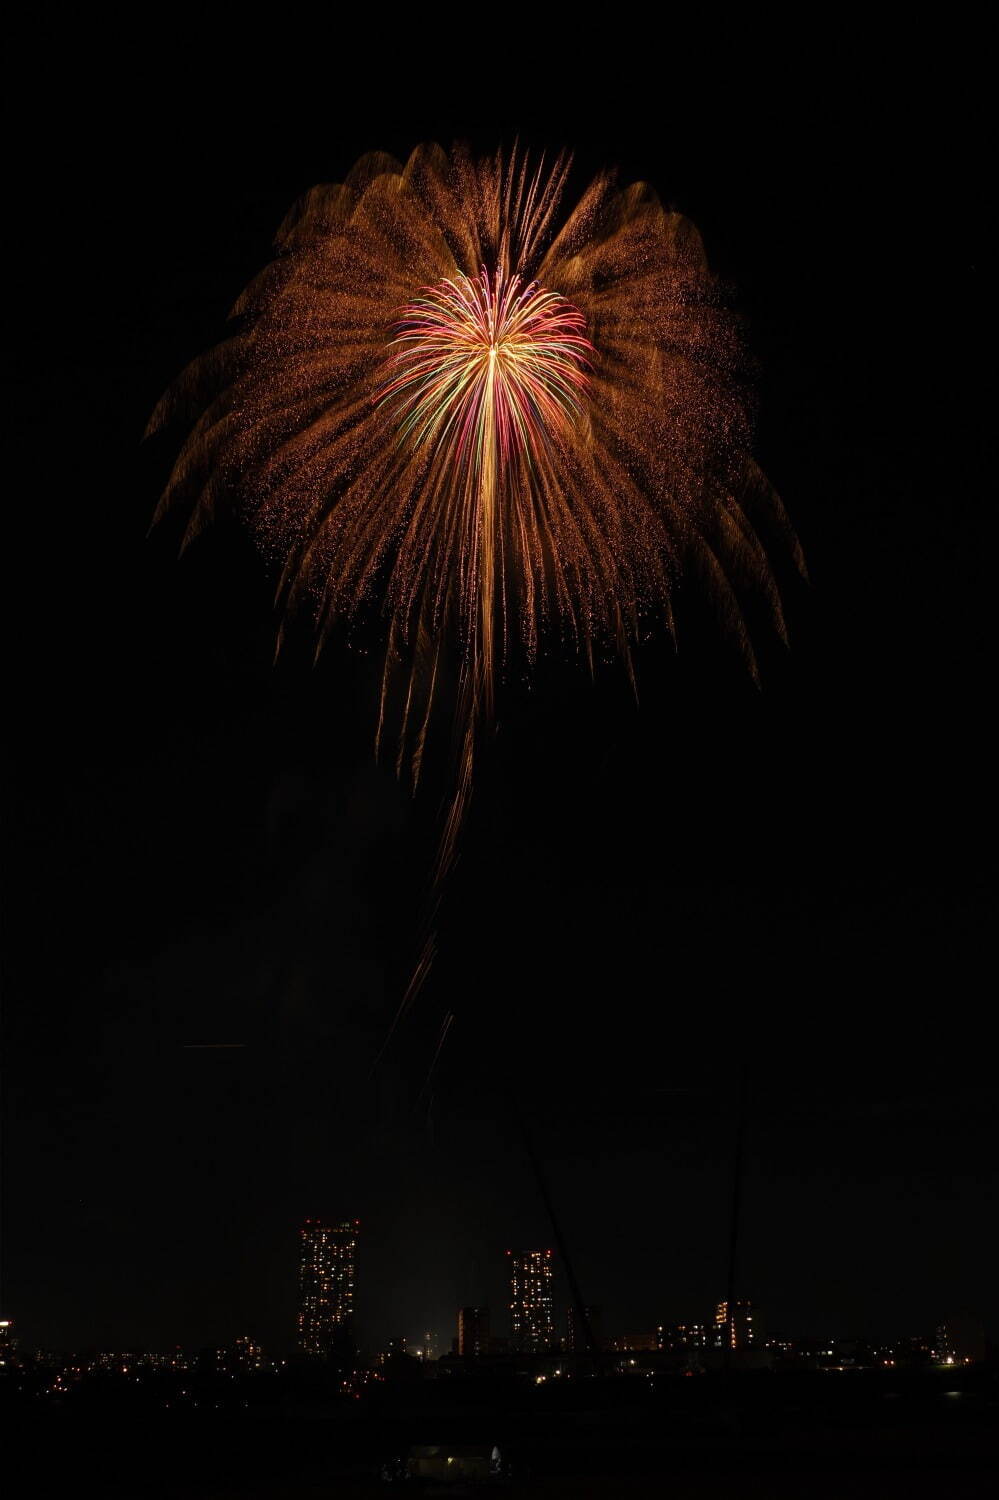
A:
201	849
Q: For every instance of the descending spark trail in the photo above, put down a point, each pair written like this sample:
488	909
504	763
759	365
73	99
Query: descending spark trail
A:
452	403
448	1023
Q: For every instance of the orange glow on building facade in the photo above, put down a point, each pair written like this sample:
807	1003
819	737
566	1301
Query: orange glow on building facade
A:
735	1331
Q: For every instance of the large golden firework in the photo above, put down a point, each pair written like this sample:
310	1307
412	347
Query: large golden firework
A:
454	402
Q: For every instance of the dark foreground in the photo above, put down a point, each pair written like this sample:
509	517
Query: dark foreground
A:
751	1436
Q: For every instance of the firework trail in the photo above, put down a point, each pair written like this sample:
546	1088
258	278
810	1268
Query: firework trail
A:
453	403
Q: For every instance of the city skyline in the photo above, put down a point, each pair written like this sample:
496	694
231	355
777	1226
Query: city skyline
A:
537	1303
956	1341
326	1338
327	1286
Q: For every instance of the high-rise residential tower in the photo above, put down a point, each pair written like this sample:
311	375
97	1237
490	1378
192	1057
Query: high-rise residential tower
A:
734	1330
576	1340
531	1300
473	1332
327	1274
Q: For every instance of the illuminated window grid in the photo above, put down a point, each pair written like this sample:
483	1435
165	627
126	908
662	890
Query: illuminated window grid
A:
327	1266
531	1299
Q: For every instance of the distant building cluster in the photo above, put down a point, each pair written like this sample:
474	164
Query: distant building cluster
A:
729	1338
215	1378
959	1342
242	1373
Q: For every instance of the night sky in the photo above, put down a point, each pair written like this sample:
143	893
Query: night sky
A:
797	881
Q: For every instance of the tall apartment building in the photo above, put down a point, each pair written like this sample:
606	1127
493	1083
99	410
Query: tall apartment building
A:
327	1275
531	1300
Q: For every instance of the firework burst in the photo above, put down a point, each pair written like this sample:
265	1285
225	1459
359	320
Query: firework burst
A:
451	401
486	375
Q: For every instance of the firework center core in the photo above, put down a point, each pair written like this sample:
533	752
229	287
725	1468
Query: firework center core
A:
491	364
